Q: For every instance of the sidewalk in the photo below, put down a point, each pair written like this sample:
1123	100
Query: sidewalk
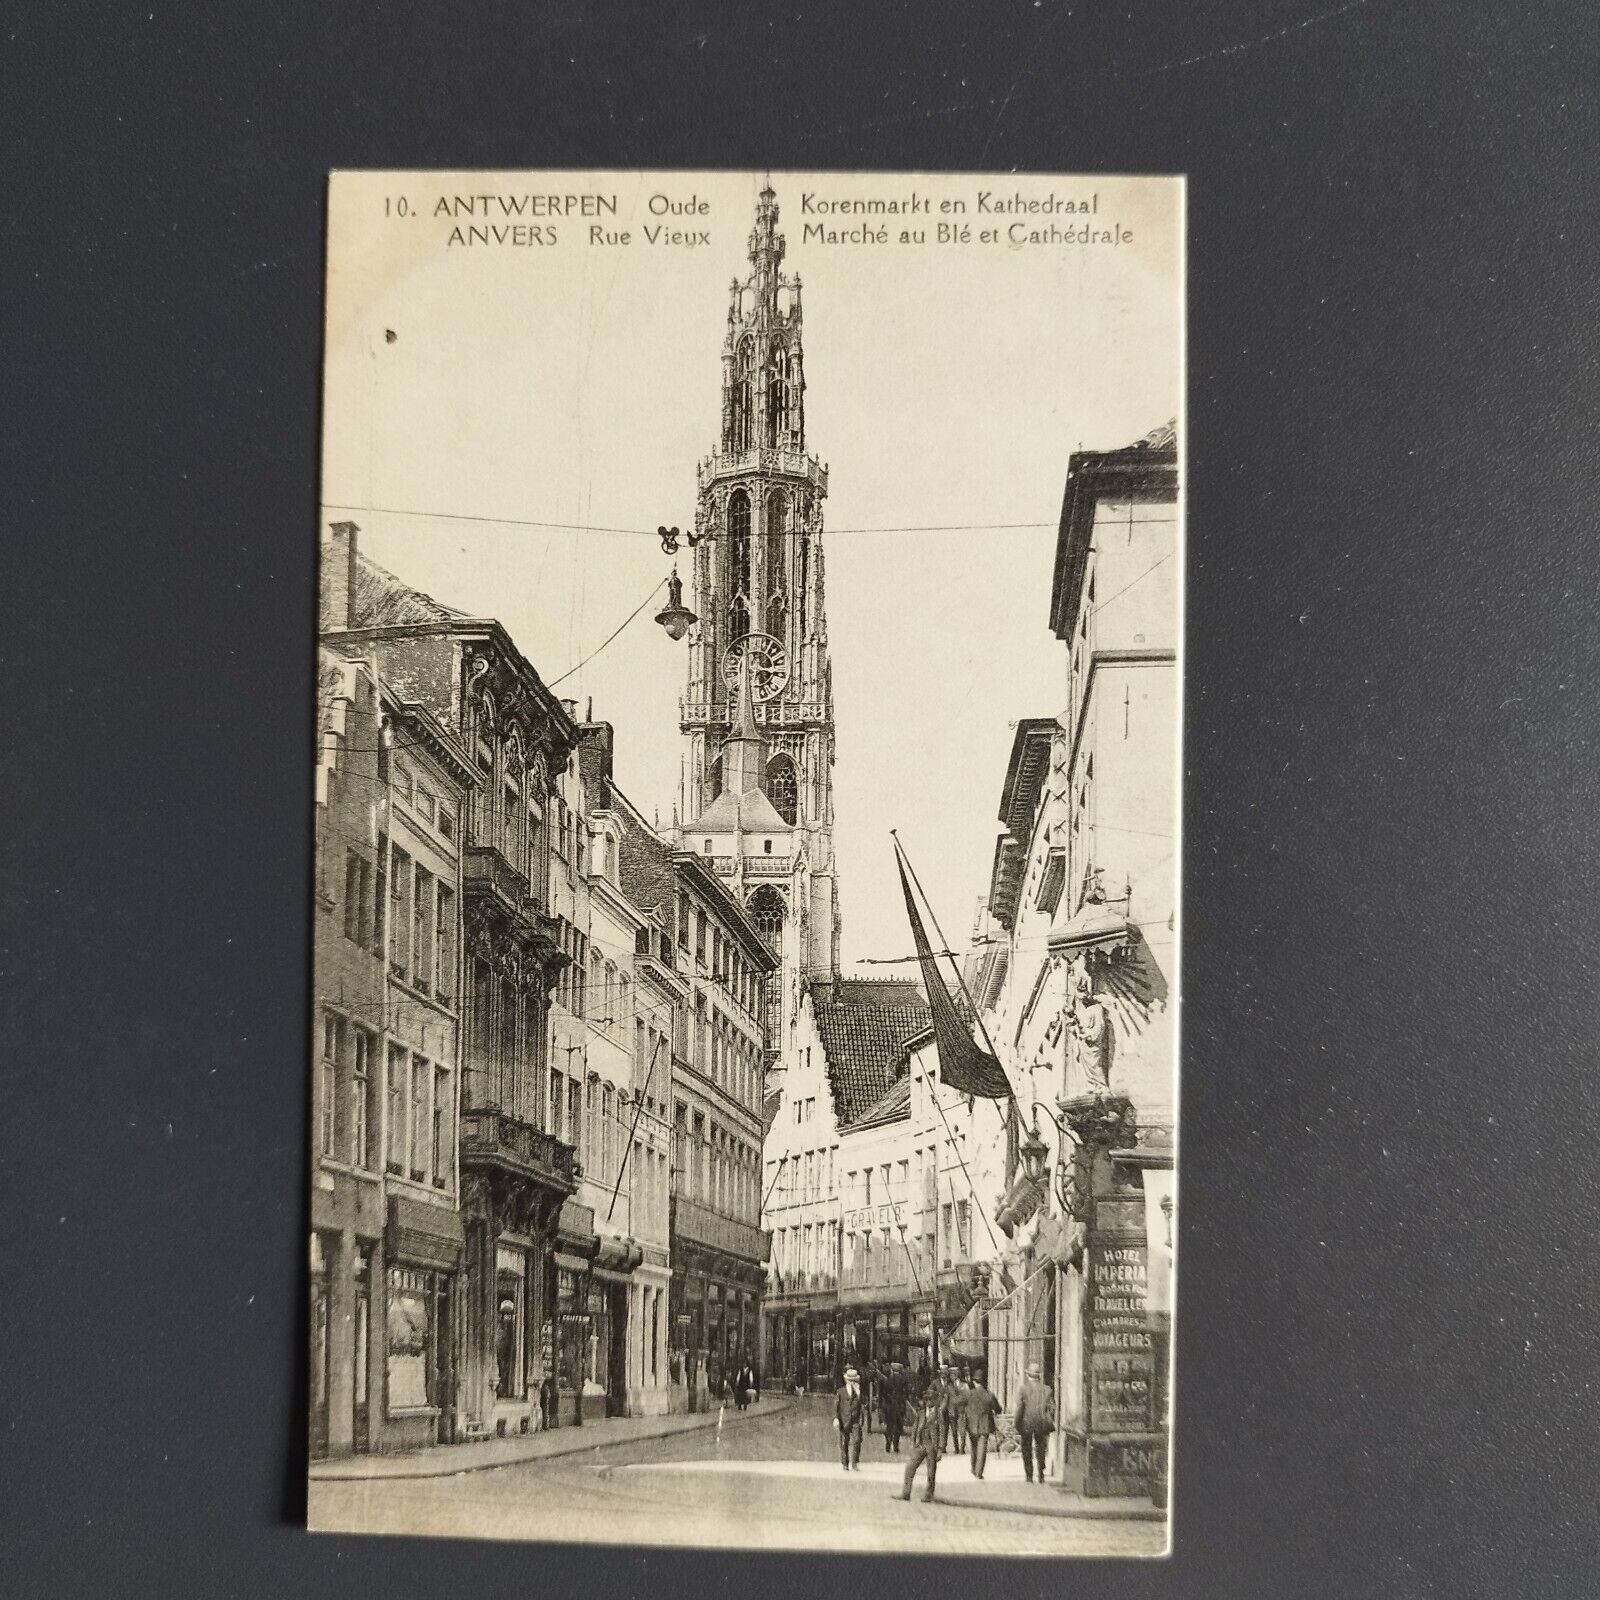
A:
1004	1488
448	1460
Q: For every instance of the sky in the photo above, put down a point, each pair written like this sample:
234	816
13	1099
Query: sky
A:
579	382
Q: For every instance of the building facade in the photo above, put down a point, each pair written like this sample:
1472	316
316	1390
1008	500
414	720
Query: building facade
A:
1117	606
515	1172
719	1250
392	787
616	1358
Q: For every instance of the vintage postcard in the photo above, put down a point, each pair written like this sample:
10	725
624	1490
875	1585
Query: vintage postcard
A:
746	795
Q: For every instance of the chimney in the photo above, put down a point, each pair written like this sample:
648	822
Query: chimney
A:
336	577
600	737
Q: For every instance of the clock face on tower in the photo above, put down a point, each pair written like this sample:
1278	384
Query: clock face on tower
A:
769	665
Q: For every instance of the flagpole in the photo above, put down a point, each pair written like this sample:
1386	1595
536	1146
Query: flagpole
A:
933	917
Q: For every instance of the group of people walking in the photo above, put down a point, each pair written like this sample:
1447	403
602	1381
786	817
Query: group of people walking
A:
950	1412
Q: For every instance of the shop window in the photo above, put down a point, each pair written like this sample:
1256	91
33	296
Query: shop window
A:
413	1353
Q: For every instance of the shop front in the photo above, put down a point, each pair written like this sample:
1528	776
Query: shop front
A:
345	1271
715	1329
580	1319
514	1180
423	1245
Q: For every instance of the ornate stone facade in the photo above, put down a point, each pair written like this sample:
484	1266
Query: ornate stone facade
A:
758	580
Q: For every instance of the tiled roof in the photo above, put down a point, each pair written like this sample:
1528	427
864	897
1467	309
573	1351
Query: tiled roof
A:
381	600
644	867
863	1023
894	1105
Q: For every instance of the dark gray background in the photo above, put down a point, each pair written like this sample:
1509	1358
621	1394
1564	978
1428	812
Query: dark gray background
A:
1387	1345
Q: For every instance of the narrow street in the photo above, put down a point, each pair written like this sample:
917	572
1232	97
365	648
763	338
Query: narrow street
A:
770	1479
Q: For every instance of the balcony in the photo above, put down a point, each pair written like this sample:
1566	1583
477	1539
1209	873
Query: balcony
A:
485	871
768	866
764	459
489	879
492	1139
698	1224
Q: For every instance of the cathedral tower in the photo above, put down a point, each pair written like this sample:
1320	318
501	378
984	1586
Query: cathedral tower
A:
758	713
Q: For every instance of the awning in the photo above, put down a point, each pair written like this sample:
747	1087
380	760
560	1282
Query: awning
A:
423	1234
968	1338
1095	925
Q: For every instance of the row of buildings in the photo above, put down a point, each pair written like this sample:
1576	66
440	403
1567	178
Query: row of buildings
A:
913	1223
539	1051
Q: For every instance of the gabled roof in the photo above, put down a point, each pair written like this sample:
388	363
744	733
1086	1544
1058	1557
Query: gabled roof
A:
381	600
863	1024
894	1105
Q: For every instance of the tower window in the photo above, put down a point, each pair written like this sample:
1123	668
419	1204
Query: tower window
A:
768	911
777	396
782	787
739	420
739	550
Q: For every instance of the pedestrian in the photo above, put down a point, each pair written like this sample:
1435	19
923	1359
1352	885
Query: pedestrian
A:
744	1385
981	1410
927	1438
849	1419
1036	1420
955	1411
895	1400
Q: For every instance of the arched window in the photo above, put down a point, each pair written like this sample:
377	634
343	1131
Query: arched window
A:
714	780
782	786
802	582
743	374
739	547
768	912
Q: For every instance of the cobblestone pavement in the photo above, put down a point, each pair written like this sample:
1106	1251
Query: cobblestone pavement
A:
764	1483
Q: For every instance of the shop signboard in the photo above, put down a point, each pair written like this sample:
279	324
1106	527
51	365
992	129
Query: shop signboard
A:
891	1214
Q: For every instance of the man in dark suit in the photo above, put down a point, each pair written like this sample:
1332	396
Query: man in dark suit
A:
981	1408
927	1440
894	1398
850	1419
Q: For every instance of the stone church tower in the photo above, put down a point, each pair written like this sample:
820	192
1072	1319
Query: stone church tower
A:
758	713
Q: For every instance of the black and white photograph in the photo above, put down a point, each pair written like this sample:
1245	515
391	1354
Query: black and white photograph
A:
744	1060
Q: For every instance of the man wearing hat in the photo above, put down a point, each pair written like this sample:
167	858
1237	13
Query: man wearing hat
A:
981	1409
893	1397
927	1440
850	1419
955	1409
1036	1420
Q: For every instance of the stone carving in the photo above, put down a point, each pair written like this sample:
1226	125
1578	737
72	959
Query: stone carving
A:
1089	1026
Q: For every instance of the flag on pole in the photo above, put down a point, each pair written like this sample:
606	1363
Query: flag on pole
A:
963	1063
